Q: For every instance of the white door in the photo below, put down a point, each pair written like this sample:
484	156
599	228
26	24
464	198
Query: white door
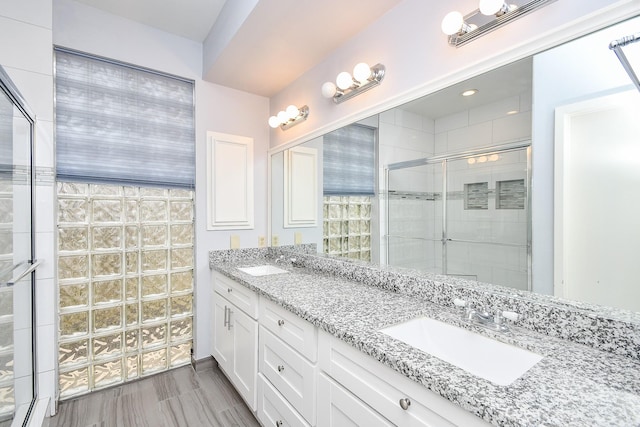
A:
245	355
222	346
597	201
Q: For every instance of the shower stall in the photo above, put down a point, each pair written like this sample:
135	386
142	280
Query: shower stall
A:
17	263
464	214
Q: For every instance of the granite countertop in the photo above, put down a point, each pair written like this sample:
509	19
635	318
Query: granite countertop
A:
573	385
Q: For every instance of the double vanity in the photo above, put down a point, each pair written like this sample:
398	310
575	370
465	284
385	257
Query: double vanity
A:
314	341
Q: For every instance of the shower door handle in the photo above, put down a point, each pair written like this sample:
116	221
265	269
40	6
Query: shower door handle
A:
33	264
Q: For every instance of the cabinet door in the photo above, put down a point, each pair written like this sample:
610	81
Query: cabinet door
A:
339	408
222	345
245	355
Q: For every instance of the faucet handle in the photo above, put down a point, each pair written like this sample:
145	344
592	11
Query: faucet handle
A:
511	315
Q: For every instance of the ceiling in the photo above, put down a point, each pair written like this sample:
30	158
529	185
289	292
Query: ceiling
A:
191	19
501	83
278	41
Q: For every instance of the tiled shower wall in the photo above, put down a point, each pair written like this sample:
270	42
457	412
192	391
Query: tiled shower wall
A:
500	219
125	271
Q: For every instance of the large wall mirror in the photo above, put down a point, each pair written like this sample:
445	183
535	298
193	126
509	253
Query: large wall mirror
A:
525	177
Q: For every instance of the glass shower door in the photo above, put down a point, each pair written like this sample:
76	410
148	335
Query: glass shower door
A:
17	348
487	218
414	217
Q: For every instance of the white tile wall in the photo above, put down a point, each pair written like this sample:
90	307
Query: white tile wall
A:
36	12
510	128
31	51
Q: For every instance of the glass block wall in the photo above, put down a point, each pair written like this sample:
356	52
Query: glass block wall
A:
347	226
125	274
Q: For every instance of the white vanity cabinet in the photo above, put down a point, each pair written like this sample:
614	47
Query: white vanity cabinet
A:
287	366
235	335
395	397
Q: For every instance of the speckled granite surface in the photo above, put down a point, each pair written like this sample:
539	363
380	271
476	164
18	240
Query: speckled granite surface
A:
574	385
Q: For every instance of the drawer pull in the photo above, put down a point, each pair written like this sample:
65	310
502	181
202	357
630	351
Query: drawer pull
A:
405	403
229	289
280	322
279	423
280	368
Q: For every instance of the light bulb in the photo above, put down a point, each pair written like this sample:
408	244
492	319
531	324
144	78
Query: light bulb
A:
361	72
344	80
274	122
491	7
494	158
328	90
283	117
292	112
471	161
482	159
452	23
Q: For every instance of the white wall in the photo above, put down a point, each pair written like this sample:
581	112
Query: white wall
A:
218	109
25	53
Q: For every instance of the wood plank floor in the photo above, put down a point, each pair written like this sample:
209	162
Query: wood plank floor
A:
180	397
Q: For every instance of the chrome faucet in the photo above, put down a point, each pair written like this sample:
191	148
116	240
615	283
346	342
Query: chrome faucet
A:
484	317
279	259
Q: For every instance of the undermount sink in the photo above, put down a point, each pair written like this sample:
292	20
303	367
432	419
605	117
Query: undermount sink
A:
262	270
484	357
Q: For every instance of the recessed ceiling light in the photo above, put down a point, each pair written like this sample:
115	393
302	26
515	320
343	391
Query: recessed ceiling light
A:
512	112
469	92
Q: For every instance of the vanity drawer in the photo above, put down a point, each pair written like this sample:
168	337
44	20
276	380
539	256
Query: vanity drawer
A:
240	296
383	388
339	408
273	409
295	331
290	373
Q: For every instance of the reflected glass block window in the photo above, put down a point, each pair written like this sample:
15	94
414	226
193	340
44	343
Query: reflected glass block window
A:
125	274
347	226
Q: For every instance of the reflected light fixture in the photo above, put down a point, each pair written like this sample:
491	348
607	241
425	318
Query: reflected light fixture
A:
469	92
490	15
347	85
289	117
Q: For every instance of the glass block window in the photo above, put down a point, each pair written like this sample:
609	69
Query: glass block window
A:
347	226
125	274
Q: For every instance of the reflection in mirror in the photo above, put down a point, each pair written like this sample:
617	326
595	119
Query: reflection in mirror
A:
471	180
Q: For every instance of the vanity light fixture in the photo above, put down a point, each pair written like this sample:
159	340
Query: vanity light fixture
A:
490	15
289	117
347	86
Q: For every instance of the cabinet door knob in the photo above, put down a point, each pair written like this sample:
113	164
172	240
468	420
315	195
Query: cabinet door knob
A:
280	368
405	403
280	322
279	423
229	289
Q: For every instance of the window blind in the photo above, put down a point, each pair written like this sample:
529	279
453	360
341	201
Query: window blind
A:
349	161
120	124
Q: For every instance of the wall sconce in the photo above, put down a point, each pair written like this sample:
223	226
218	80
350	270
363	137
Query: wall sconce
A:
490	15
289	117
348	86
